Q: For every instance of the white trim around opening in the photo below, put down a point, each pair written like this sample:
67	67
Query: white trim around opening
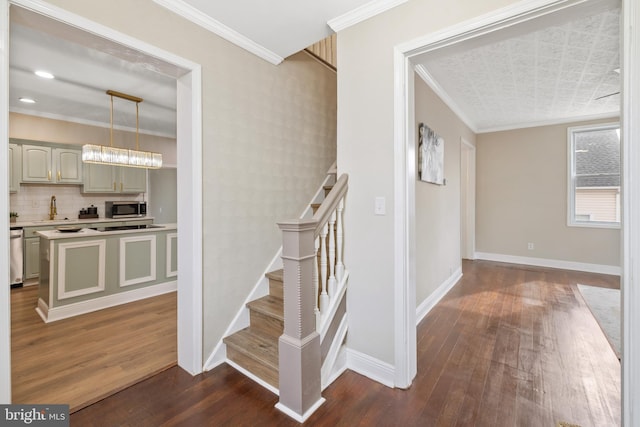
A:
404	159
189	140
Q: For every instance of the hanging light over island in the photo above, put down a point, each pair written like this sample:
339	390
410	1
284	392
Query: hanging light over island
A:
110	155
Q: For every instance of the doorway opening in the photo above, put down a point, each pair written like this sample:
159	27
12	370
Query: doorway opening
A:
189	176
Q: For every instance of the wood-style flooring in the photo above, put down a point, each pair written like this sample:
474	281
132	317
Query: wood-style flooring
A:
81	360
507	346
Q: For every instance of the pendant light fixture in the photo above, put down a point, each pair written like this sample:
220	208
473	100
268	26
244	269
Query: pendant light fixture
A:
110	155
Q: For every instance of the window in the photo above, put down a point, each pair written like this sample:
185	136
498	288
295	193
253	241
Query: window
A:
594	176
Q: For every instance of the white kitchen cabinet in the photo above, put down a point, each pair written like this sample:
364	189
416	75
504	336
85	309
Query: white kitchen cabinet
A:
114	179
15	167
36	163
44	164
99	179
67	165
133	180
31	257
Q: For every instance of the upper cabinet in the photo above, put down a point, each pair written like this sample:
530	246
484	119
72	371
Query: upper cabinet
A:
68	165
133	180
114	179
15	167
49	165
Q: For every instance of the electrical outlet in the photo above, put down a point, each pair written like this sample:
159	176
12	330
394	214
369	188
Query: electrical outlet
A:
530	246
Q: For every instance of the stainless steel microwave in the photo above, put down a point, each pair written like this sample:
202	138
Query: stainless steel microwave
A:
125	209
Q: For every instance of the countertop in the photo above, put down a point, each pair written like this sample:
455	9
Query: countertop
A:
56	222
88	232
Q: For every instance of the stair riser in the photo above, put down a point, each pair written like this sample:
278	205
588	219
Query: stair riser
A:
263	372
276	289
261	323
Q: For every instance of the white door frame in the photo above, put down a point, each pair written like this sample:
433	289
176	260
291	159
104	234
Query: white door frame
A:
630	124
468	199
405	175
189	159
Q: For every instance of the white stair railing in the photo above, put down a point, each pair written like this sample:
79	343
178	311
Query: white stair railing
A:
331	264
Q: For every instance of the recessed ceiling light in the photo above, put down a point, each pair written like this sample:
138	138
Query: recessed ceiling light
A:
44	74
27	100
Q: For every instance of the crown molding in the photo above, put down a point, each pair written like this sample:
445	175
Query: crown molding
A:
362	13
70	119
551	122
194	15
422	72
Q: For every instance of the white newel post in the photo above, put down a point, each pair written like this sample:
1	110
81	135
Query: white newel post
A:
299	345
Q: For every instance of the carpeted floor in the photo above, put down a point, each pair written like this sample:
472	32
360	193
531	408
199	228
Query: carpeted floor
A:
605	306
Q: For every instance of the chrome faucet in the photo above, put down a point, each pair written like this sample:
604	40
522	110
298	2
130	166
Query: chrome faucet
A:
52	208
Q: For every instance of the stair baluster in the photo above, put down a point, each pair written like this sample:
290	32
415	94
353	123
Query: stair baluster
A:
332	255
316	281
324	296
339	241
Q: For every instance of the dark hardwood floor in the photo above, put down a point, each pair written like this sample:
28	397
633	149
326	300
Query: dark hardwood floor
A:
508	346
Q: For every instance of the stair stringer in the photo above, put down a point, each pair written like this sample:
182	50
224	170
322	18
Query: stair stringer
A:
333	364
241	320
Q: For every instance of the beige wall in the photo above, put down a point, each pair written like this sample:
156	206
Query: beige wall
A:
366	151
438	207
268	139
522	198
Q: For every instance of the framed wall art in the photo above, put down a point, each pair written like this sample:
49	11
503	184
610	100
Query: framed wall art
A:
430	155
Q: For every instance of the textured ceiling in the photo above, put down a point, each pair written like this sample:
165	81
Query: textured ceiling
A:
550	75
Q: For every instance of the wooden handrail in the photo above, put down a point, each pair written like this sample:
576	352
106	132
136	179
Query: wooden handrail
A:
331	202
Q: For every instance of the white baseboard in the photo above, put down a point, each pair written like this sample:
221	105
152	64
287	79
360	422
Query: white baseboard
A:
551	263
372	368
426	306
300	418
251	376
58	313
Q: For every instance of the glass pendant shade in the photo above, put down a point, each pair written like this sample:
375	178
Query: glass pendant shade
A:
110	155
101	154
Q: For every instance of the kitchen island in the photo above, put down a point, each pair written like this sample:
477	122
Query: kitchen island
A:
87	269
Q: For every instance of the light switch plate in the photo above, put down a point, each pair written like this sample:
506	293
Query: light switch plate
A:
380	206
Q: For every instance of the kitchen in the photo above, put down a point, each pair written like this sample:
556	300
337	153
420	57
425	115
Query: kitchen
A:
58	199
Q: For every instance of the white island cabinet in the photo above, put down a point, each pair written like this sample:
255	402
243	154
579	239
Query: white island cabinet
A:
31	244
91	270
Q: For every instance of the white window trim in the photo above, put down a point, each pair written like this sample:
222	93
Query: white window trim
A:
571	189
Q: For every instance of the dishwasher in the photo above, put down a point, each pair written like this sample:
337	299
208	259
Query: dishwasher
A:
15	252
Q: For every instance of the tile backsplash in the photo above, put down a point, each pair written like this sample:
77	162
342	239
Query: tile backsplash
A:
32	201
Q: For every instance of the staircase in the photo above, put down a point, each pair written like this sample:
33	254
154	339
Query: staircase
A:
255	348
307	343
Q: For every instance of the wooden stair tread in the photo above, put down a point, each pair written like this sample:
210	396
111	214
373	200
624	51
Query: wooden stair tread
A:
276	275
255	347
268	305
